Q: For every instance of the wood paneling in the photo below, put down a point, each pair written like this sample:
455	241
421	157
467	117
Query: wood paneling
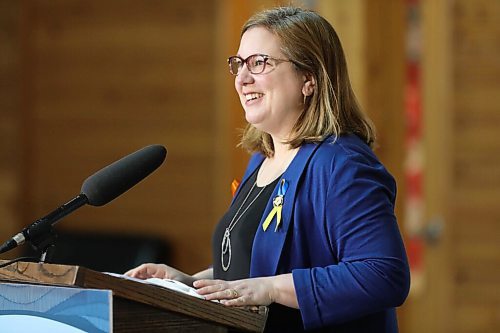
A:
462	177
384	86
10	139
107	78
476	165
348	20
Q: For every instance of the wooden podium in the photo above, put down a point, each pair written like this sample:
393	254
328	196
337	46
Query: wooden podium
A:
139	307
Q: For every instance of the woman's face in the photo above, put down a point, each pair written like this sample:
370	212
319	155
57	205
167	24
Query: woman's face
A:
272	100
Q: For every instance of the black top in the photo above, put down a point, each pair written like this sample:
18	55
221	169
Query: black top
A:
244	230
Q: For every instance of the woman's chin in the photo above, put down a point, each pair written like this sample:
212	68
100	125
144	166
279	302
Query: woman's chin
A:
253	119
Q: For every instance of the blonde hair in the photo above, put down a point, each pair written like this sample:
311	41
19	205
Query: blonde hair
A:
312	45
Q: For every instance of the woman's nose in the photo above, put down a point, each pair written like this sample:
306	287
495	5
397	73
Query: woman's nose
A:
244	76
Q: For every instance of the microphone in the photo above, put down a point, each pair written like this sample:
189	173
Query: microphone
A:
97	190
117	178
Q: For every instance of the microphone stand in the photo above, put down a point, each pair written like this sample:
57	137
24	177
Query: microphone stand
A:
41	234
43	243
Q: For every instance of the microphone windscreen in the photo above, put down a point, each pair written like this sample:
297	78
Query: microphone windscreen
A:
115	179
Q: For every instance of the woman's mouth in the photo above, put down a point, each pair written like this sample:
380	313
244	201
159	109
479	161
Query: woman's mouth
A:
253	96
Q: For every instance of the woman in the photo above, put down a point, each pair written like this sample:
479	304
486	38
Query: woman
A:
311	230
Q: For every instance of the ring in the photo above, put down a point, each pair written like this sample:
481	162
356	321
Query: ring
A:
234	293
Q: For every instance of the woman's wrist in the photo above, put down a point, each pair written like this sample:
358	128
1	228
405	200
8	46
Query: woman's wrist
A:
283	290
204	274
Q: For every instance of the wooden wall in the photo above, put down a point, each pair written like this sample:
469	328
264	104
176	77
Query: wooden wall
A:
462	187
475	159
103	79
10	144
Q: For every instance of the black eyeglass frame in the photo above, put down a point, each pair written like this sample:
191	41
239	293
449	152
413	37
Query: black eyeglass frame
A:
252	67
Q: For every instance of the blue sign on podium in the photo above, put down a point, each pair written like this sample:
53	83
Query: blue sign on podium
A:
38	308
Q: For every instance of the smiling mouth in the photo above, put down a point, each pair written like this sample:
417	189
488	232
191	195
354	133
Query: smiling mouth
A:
253	96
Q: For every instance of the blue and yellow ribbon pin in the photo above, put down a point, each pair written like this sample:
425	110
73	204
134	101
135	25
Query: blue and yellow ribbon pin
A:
277	206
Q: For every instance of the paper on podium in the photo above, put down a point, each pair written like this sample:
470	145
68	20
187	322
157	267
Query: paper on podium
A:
165	283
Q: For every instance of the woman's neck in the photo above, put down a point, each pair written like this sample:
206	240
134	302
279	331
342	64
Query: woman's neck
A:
275	166
281	150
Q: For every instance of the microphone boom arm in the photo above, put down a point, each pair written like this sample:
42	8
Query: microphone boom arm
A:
40	234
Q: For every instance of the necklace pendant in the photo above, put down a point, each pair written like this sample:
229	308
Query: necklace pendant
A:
226	249
226	241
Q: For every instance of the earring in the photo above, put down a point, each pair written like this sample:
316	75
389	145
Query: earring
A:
305	97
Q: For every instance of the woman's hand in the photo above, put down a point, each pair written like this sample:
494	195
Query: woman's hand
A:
255	291
146	271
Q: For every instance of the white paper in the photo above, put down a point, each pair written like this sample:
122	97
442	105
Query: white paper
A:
165	283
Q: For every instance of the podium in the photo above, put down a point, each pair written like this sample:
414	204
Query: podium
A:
139	307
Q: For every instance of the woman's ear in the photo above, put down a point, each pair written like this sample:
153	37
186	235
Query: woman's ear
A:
309	85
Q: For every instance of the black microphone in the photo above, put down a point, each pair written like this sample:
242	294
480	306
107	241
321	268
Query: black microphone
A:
97	190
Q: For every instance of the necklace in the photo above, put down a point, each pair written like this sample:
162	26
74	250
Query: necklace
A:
226	239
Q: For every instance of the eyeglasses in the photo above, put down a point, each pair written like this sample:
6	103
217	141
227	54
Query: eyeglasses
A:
256	63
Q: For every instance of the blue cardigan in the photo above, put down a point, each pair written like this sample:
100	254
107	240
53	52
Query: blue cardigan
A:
338	236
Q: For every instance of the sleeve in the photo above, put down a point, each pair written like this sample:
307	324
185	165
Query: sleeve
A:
372	272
